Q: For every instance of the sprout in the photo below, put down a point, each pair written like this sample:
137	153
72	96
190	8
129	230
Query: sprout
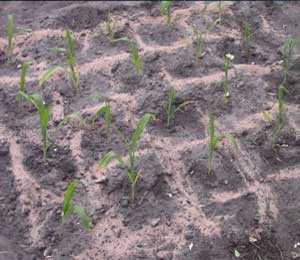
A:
171	109
134	53
280	119
214	140
165	8
69	208
71	59
38	102
247	34
106	110
132	173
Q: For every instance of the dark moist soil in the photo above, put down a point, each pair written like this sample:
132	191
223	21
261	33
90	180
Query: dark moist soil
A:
174	182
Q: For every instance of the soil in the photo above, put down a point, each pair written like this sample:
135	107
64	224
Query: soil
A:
248	204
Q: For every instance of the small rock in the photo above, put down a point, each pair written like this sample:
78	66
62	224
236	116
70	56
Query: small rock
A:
155	222
226	182
102	179
48	251
124	202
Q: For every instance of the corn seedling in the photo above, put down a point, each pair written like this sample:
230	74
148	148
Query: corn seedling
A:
198	48
134	53
247	34
165	9
38	102
171	109
287	56
71	59
227	62
108	26
10	29
69	208
48	74
72	117
132	173
106	110
280	119
22	78
214	140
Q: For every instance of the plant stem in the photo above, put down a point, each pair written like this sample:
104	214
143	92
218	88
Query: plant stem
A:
132	193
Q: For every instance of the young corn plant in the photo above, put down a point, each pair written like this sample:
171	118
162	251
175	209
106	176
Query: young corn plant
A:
165	9
247	34
68	208
38	102
22	78
134	53
106	111
71	59
280	116
214	140
198	48
227	62
10	30
132	173
171	108
287	57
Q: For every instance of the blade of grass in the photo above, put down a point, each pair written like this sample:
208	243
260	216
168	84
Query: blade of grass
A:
139	129
48	74
22	78
70	117
84	219
10	29
67	207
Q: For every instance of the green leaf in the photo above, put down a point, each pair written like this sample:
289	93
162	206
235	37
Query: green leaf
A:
139	130
212	142
67	200
22	77
136	58
70	117
48	74
110	156
182	105
24	30
70	48
85	221
10	28
38	102
107	120
57	49
99	112
267	116
232	140
67	214
123	39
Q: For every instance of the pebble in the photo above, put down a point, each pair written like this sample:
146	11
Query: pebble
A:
102	179
155	222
